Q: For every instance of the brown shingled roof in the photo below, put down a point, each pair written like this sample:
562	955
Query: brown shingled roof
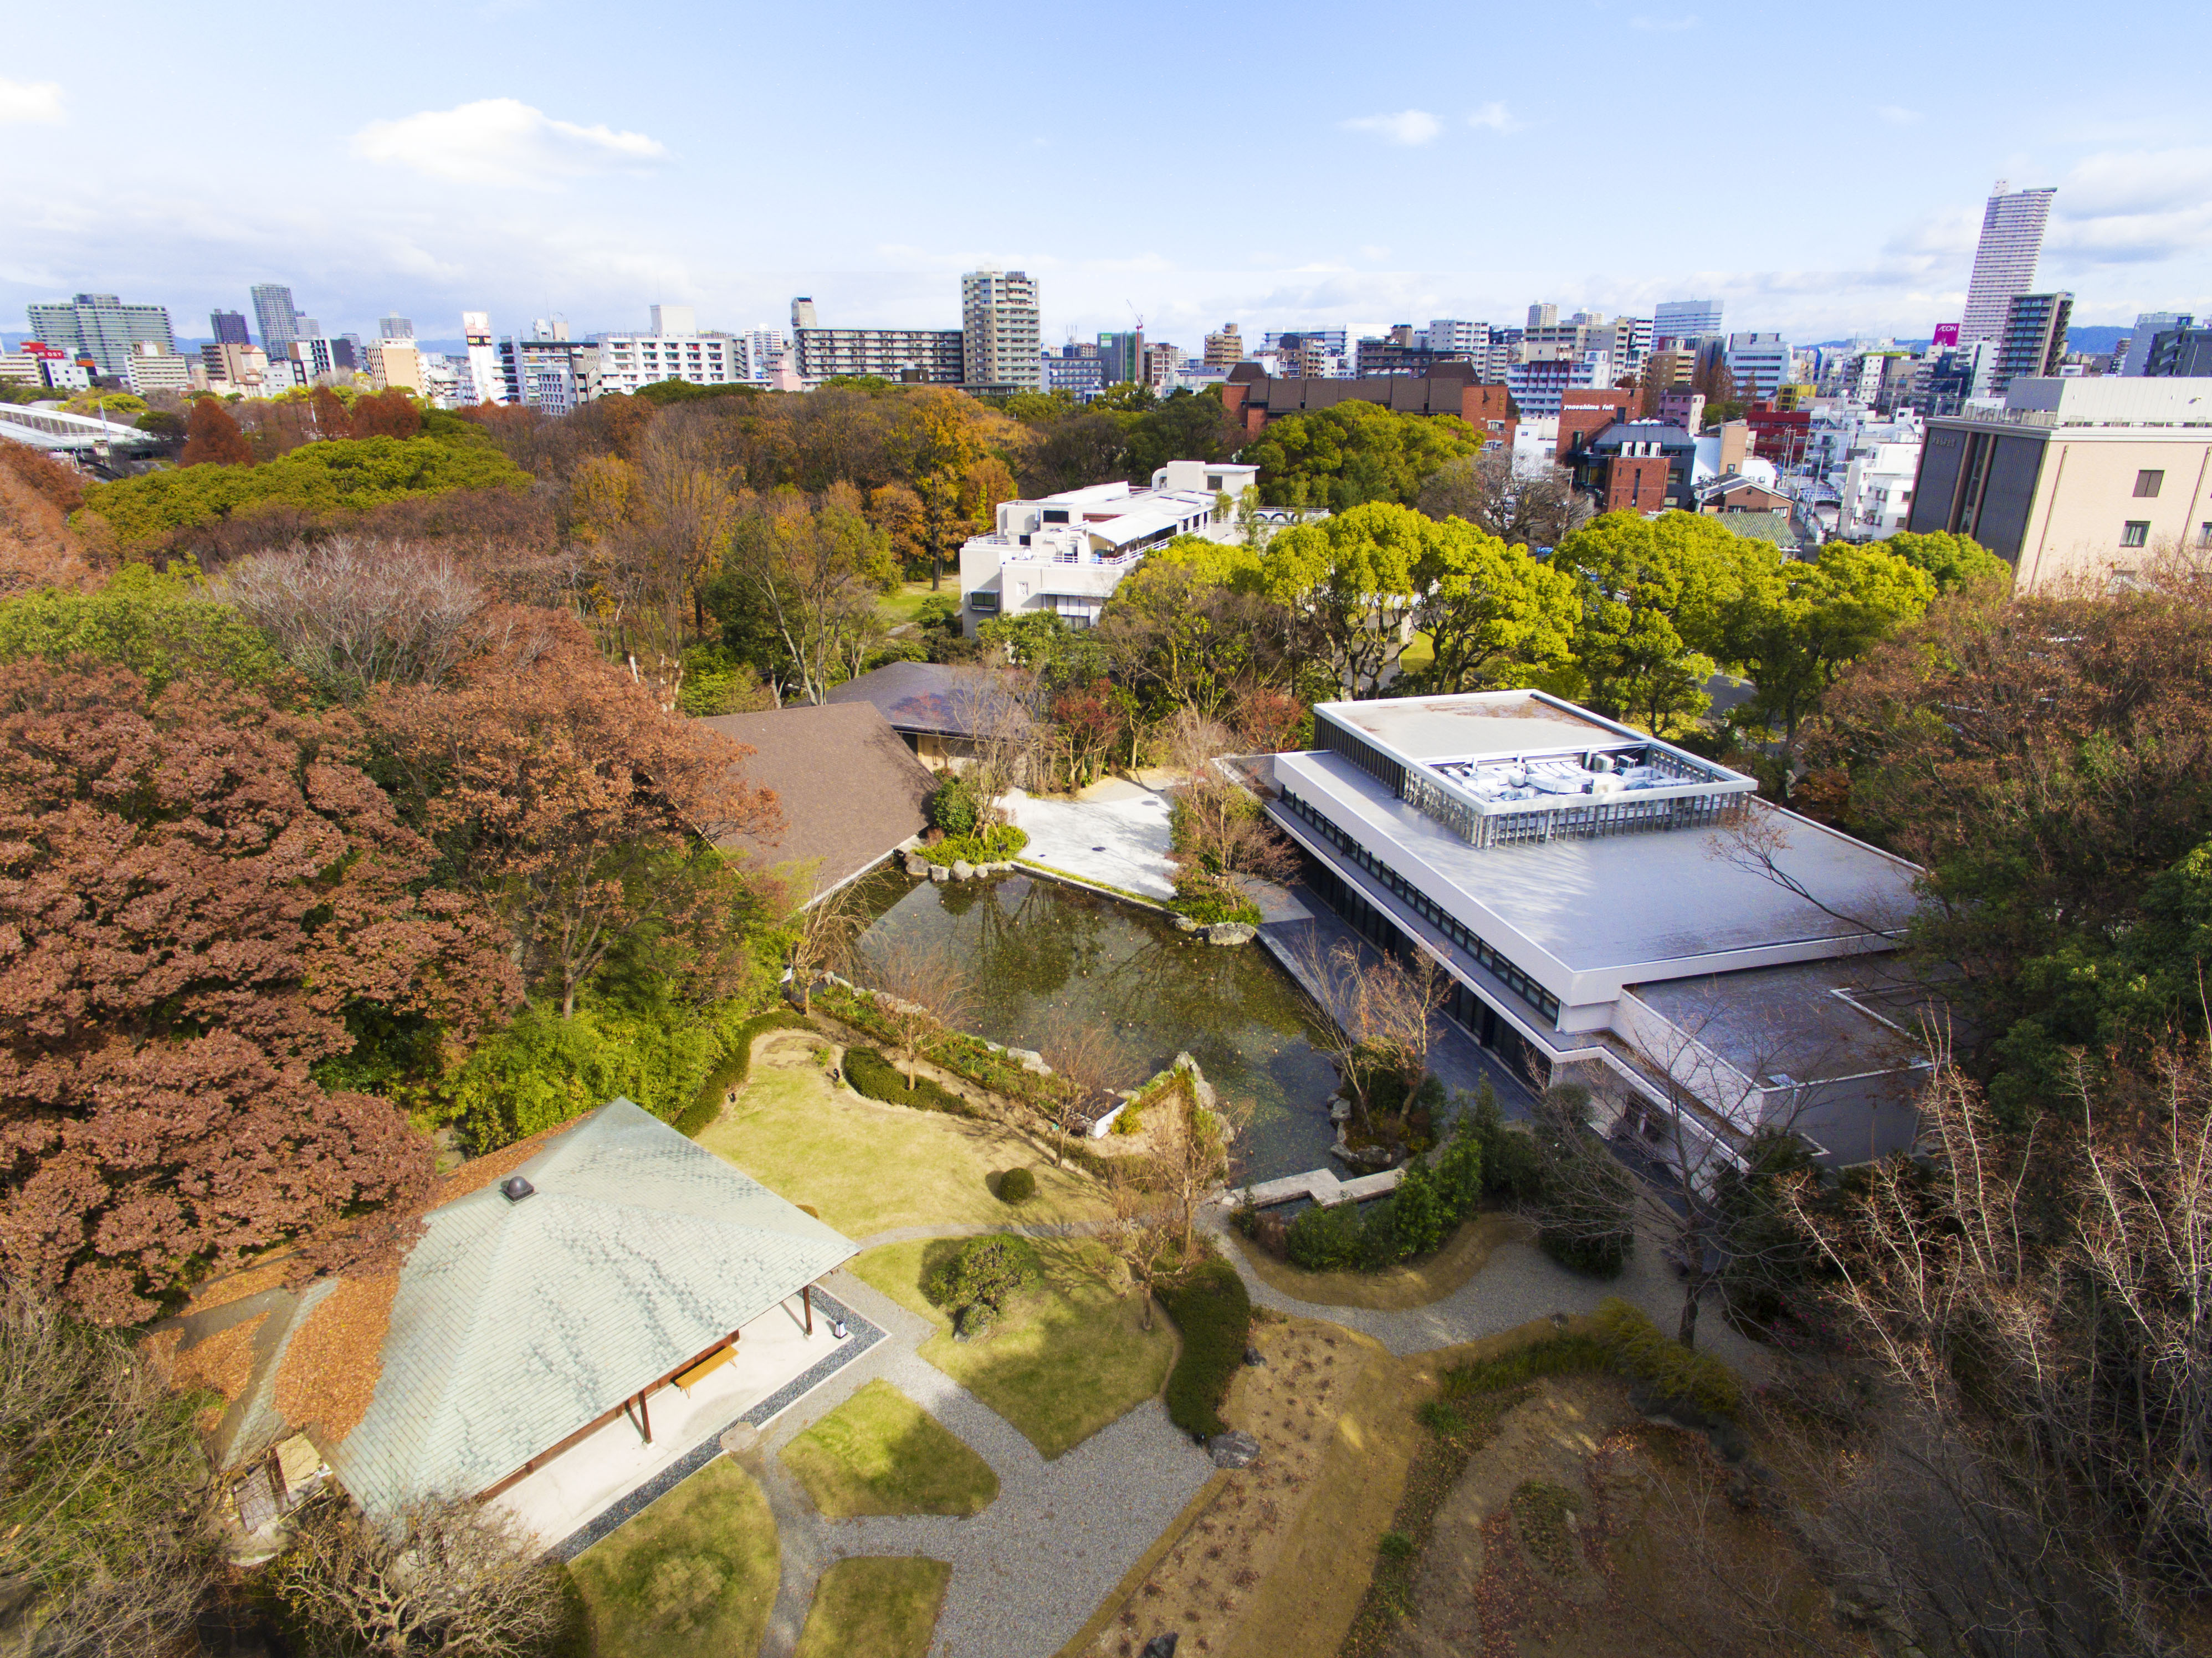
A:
850	788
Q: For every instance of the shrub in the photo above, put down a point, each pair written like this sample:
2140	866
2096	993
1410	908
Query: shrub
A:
1017	1185
736	1066
993	845
873	1075
979	1279
1572	1243
1433	1196
1210	1306
954	808
1696	1382
1211	899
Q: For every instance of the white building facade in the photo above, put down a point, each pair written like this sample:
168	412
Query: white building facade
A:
999	328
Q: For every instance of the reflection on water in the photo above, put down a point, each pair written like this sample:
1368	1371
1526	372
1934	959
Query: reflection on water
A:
1043	953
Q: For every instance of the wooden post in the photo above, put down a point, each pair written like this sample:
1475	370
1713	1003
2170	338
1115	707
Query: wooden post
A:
806	1296
645	1409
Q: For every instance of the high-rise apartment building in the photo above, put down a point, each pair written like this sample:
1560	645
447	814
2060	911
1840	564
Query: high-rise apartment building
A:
1450	338
272	309
1543	315
101	327
2004	260
1686	319
2182	353
1121	357
229	328
674	350
395	328
2034	338
486	380
1224	349
999	324
802	314
2148	326
1758	362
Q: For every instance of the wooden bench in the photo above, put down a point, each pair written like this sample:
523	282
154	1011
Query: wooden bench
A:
706	1366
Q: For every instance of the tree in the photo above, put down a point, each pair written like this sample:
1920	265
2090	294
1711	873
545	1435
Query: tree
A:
941	436
581	813
353	612
1141	1237
105	1547
810	577
921	987
1355	452
1378	1013
1491	492
161	627
819	934
1088	1062
1792	638
198	887
1183	630
1352	584
1193	1138
444	1575
390	413
1494	616
1953	562
212	437
1655	597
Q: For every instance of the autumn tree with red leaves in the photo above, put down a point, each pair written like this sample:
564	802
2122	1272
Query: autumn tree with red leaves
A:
212	437
578	811
194	888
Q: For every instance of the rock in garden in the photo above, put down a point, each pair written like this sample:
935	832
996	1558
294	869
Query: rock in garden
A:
916	864
1233	1450
939	874
962	870
1252	1356
1184	924
1231	933
1339	1109
1160	1646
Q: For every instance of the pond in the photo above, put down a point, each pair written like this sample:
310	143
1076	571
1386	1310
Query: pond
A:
1043	953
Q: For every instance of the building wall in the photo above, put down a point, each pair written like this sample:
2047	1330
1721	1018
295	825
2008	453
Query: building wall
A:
1636	483
101	327
937	355
999	322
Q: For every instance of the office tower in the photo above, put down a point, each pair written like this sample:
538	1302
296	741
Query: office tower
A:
1122	356
395	328
229	328
1686	319
280	322
802	314
2034	338
998	327
101	327
2005	260
1758	362
1543	316
2148	325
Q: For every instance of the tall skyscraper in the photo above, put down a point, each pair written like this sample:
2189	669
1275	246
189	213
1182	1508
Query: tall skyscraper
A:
2034	338
101	327
395	328
1686	319
229	328
272	309
999	328
2005	260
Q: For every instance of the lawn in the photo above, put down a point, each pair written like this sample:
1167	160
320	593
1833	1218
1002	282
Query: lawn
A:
695	1572
875	1607
1068	1358
898	609
880	1453
865	1168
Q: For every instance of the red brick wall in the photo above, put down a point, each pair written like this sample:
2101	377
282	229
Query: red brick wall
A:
1636	483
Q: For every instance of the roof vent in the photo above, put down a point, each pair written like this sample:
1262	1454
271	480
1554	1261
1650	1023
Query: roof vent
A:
514	1188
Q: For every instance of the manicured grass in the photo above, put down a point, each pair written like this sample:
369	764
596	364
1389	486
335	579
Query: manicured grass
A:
695	1572
880	1453
1066	1358
875	1607
867	1168
899	608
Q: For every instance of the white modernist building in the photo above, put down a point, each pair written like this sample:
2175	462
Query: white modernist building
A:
1613	909
674	349
1066	553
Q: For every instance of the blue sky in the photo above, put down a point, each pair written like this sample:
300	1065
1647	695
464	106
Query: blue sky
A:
1821	169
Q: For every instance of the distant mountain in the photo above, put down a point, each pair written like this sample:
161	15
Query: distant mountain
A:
2095	340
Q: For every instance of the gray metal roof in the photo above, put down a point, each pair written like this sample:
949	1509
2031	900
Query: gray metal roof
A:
515	1323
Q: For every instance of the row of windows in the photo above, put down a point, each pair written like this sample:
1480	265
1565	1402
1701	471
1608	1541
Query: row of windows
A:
2136	532
1492	962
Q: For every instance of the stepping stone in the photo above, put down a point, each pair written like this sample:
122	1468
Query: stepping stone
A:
740	1437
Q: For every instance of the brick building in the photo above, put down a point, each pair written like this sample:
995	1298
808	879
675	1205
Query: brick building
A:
1256	397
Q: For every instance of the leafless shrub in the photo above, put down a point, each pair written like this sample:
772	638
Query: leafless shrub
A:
1381	1012
1088	1063
921	987
352	613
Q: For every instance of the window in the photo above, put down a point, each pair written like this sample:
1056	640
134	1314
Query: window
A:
2204	534
2136	532
981	600
2146	485
1055	515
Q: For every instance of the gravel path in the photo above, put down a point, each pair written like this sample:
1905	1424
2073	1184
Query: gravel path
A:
1519	1281
1029	1570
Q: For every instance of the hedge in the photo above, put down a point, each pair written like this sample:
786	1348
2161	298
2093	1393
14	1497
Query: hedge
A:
1434	1195
735	1066
1680	1376
994	845
877	1078
1210	1308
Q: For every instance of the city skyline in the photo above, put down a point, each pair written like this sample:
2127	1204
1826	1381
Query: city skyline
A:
448	181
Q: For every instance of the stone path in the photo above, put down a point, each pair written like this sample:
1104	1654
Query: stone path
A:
1029	1570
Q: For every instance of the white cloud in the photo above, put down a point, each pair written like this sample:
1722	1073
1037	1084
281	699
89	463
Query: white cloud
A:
1497	118
1664	24
2133	207
503	141
28	101
1898	115
1408	126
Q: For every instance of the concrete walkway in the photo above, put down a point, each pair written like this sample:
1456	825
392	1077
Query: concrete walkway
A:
1115	833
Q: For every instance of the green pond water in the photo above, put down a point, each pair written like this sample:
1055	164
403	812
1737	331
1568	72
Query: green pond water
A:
1043	953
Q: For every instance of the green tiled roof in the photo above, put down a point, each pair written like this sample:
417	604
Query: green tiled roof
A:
515	1323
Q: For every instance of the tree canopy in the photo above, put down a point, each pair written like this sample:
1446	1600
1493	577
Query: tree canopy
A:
1355	452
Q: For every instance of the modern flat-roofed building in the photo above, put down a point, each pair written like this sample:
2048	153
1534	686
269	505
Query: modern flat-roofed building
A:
2074	478
935	357
1686	319
2034	341
673	350
101	327
1067	552
998	326
1255	398
1606	905
2179	353
2005	259
279	320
